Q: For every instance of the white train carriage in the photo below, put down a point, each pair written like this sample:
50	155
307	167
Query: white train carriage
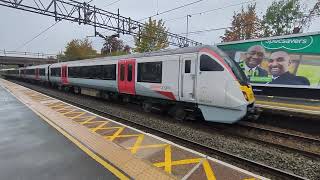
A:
11	73
198	77
37	73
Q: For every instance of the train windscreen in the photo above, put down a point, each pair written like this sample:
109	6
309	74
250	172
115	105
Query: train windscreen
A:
243	80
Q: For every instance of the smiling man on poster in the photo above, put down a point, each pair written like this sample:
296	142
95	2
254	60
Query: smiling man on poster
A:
278	65
254	57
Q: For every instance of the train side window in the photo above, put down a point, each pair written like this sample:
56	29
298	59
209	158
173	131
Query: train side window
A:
77	72
92	72
100	72
70	71
80	72
30	72
58	72
96	72
209	64
42	72
150	72
129	77
187	66
122	72
109	72
84	72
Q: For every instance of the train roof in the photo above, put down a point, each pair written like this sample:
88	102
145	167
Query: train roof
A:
146	54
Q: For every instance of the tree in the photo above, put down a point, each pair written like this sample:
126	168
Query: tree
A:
152	37
245	25
280	17
114	46
78	49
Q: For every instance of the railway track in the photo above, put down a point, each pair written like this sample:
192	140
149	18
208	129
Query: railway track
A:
248	164
303	144
296	137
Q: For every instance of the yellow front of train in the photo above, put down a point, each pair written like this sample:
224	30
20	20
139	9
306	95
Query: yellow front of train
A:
248	93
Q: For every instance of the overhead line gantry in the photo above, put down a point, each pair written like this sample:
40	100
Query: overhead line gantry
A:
84	13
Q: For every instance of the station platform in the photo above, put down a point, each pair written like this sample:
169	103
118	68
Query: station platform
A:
307	107
122	151
31	149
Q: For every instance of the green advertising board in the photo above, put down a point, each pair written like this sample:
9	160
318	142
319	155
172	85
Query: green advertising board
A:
290	61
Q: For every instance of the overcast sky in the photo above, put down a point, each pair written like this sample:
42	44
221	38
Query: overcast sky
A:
17	26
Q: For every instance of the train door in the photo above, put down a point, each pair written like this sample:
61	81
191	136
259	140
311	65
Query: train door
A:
37	73
211	80
126	76
188	78
64	74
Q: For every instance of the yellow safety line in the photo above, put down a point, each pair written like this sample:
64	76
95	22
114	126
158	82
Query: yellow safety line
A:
57	105
80	114
105	164
180	162
137	143
288	105
115	135
98	127
61	107
52	104
68	111
167	159
150	146
90	118
208	170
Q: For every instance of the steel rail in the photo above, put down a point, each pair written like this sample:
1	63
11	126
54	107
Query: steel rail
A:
285	135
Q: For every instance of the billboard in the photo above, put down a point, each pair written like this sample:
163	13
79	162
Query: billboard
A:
287	61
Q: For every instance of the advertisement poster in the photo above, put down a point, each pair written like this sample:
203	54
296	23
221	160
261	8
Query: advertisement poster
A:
288	61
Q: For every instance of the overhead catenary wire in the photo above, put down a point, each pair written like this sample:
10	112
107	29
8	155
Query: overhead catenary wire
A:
173	9
113	2
227	27
210	10
42	32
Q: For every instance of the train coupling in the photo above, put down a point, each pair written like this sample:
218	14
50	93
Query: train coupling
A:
253	112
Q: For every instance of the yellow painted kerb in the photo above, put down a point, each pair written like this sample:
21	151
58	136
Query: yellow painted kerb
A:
297	106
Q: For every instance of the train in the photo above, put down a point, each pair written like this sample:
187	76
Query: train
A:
188	83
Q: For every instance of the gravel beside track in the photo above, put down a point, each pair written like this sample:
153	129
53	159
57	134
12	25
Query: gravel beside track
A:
278	158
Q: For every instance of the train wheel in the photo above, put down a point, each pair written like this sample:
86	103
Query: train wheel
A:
77	90
146	106
126	99
180	114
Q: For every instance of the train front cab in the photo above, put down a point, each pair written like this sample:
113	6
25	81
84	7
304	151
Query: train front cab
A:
223	94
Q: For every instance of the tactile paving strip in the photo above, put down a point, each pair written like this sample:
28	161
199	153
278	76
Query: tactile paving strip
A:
173	159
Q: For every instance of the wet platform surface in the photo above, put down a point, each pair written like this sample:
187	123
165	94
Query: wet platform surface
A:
304	106
140	155
31	149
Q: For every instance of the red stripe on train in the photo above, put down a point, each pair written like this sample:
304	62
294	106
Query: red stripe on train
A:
167	94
